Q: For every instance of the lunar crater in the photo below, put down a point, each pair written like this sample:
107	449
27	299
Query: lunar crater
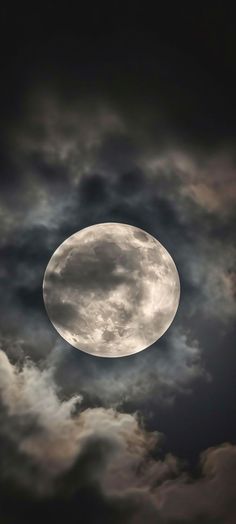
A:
111	289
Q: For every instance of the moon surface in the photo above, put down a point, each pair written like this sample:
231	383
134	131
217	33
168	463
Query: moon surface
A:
111	290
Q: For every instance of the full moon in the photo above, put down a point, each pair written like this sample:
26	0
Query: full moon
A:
111	290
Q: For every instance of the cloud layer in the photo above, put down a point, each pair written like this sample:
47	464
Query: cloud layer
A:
67	419
75	166
52	448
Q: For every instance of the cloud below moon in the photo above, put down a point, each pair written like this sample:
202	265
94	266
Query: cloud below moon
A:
53	448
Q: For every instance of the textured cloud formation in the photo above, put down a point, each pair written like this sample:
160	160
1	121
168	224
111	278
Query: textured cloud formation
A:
169	368
68	433
127	119
77	166
165	193
34	420
56	448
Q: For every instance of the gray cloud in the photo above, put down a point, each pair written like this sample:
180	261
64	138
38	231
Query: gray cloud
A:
178	197
65	447
170	367
166	197
156	190
37	424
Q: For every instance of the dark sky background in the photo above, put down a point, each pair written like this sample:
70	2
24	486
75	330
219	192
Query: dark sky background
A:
118	114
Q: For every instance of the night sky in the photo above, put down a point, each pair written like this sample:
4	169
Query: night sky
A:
118	114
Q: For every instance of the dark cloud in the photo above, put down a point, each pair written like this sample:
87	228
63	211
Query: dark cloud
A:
54	452
164	196
92	190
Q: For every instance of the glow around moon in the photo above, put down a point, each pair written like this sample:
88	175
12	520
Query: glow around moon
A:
111	290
